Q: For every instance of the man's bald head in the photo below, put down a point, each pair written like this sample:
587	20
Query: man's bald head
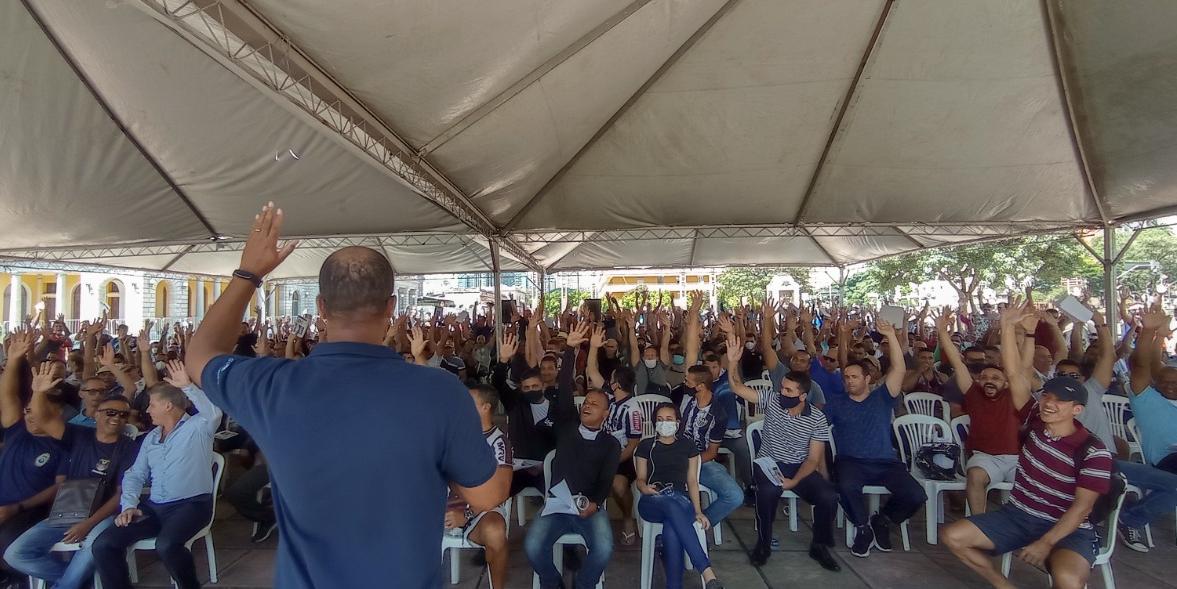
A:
355	282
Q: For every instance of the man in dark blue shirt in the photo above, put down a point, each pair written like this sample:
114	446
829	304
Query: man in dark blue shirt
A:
861	420
361	507
98	452
29	461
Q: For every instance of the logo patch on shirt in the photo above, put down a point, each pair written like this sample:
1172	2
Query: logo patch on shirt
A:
42	460
101	467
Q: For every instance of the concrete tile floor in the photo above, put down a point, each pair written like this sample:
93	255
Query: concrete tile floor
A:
244	565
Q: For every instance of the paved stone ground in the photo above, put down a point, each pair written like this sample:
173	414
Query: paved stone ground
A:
248	566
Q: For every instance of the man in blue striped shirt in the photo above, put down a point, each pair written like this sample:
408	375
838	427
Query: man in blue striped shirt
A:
176	457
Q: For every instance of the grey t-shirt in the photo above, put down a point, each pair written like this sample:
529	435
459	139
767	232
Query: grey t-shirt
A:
1094	417
815	396
656	375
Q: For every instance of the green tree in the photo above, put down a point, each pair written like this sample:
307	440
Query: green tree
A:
1040	262
860	286
1154	245
575	297
750	283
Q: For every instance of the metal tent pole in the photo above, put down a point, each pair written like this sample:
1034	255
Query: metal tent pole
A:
1109	280
498	281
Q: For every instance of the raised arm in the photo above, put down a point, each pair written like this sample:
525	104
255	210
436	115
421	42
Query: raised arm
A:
592	370
894	376
807	332
1147	346
1102	372
124	379
146	362
509	396
205	410
767	332
691	345
48	420
218	332
960	372
735	350
664	344
1011	359
564	411
18	346
631	336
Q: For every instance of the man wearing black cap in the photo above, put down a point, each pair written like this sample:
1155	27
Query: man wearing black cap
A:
1047	516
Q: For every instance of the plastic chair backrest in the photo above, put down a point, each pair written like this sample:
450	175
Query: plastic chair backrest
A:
218	467
1109	541
1117	409
548	470
1132	430
753	436
646	404
926	404
960	429
913	431
761	386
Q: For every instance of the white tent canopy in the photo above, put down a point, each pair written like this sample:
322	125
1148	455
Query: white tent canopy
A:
573	134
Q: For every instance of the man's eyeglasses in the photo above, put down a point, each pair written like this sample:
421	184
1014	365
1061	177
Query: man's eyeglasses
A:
116	413
1074	375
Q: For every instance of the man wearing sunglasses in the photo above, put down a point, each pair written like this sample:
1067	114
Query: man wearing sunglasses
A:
93	391
100	451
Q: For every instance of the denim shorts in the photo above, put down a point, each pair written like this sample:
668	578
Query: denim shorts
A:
1010	528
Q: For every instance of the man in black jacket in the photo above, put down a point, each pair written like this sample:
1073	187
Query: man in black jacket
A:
586	460
529	416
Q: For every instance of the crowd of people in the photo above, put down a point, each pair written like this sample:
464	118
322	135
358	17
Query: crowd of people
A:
551	412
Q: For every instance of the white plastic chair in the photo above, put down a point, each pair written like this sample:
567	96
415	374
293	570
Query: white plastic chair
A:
913	431
457	543
753	437
1103	560
960	433
35	583
761	386
570	539
218	466
650	531
1117	409
873	494
1134	447
646	404
928	404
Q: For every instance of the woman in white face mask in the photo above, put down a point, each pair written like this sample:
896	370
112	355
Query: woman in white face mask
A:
668	479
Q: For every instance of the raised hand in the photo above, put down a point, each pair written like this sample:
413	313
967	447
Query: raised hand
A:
19	345
106	358
177	376
724	323
417	343
1155	318
261	253
885	328
578	334
735	348
507	347
598	338
43	380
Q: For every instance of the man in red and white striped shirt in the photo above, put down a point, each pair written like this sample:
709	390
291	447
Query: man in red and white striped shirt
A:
1061	472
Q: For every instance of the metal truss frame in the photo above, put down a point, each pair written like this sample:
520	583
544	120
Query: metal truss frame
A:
245	43
927	230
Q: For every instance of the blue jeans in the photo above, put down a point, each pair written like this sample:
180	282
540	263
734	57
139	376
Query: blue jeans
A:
728	494
30	555
1160	497
544	532
851	474
676	513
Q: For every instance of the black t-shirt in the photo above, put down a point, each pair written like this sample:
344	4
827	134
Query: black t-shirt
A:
751	365
667	463
89	458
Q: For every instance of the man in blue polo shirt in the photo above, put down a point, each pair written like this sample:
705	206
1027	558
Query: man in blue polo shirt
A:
361	507
861	418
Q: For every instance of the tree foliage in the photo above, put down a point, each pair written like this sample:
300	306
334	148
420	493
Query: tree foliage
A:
1154	244
575	297
751	283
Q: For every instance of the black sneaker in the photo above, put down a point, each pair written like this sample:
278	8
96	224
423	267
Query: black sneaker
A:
882	531
863	539
713	584
821	553
263	531
1133	538
759	556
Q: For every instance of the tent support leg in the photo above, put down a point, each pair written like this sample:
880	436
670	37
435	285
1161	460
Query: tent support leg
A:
1109	279
498	282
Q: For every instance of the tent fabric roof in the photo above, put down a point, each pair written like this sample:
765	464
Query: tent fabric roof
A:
576	135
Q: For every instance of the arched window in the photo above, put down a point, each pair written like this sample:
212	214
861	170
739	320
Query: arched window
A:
162	299
113	298
295	304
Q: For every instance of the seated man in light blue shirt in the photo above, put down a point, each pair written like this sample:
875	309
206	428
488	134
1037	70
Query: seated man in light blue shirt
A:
176	458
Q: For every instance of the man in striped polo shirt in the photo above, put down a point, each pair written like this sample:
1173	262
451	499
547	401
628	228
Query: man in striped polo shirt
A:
794	437
1061	472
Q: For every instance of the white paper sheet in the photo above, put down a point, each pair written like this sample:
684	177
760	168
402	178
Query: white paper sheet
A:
768	465
893	315
1074	309
560	501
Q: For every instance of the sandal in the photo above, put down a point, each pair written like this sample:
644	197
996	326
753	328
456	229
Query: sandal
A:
627	538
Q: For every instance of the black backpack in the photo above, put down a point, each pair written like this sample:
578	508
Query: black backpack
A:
1105	503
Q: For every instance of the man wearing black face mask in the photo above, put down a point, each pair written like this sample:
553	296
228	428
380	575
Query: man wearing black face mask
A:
794	437
529	422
